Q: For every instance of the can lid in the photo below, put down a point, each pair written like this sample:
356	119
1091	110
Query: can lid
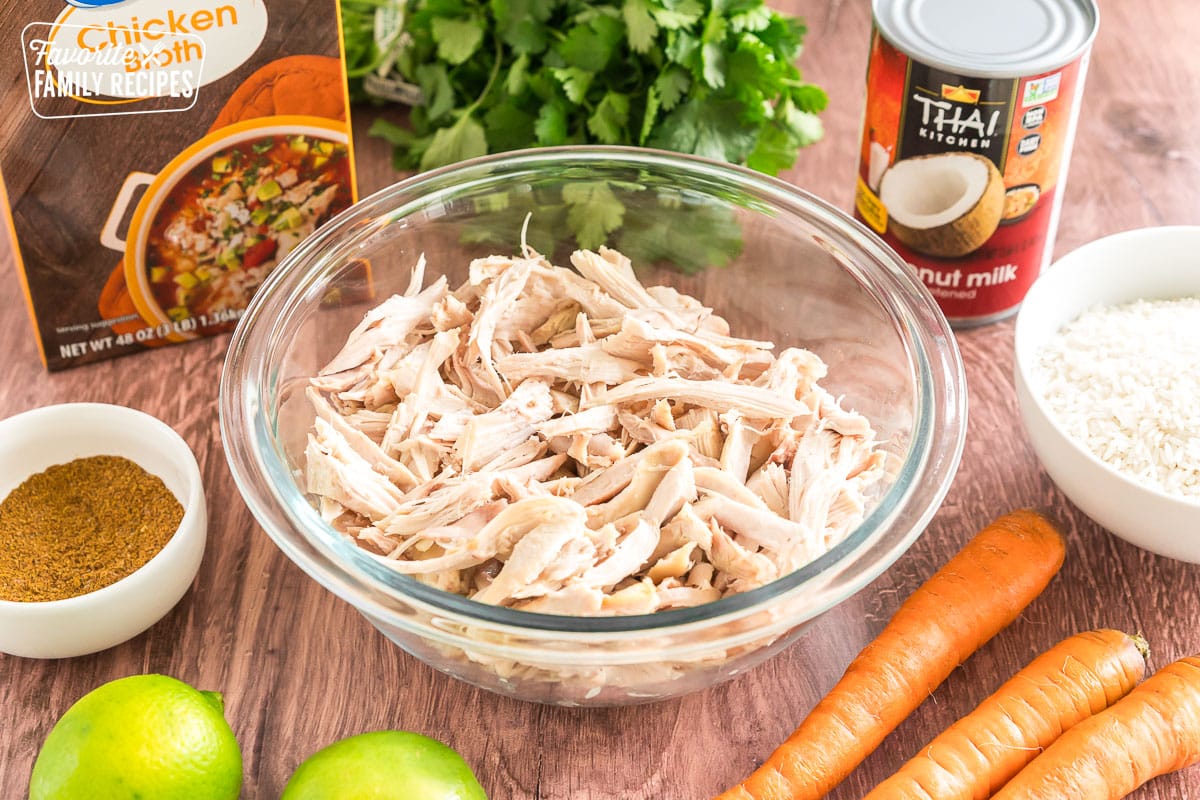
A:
990	39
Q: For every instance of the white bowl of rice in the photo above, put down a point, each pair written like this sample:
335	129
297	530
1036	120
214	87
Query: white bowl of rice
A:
1108	382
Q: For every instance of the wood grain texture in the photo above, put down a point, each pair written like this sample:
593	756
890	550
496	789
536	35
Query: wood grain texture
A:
299	668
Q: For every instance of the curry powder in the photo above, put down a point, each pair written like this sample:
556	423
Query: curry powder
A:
80	526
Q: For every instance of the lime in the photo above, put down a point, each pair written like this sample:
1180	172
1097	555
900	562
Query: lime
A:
384	765
145	736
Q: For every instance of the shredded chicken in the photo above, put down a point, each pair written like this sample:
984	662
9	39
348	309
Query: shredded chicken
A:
573	442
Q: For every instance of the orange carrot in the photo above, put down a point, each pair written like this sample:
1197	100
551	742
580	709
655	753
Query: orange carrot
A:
1154	730
968	601
975	756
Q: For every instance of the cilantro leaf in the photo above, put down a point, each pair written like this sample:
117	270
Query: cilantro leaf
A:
649	114
677	14
708	128
684	49
591	45
575	82
712	60
522	24
753	18
810	98
608	122
391	133
462	140
671	85
551	126
508	127
640	24
712	51
457	38
784	36
518	73
543	86
805	126
774	151
434	81
593	212
756	78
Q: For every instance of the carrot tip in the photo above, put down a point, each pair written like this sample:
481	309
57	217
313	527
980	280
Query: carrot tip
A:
1141	644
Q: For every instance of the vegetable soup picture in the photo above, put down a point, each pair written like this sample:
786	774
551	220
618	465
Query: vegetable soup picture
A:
227	223
1019	201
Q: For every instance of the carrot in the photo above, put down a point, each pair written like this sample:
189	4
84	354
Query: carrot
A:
968	601
1154	730
975	756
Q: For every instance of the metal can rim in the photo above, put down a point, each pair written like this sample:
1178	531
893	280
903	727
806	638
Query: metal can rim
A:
911	42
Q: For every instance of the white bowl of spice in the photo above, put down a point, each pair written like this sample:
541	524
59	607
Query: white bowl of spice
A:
1108	381
102	527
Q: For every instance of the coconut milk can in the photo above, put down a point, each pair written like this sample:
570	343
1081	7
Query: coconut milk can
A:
971	110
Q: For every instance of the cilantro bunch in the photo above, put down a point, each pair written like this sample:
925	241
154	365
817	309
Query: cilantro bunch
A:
716	78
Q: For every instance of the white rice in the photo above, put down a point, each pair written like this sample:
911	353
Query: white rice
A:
1125	381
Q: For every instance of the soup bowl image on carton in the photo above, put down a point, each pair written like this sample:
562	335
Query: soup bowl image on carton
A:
213	223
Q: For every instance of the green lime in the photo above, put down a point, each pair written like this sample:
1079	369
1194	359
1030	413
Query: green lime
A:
384	765
145	736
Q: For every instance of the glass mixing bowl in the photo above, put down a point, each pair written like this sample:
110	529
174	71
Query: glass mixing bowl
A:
777	262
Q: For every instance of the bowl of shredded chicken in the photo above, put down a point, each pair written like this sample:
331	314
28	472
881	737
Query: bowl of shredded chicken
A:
573	477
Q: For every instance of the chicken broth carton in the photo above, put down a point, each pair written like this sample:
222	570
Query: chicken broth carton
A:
159	158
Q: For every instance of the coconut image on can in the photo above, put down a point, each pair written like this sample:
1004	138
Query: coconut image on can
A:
946	205
971	110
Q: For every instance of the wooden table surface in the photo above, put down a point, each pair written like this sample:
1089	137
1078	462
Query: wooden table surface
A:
300	668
